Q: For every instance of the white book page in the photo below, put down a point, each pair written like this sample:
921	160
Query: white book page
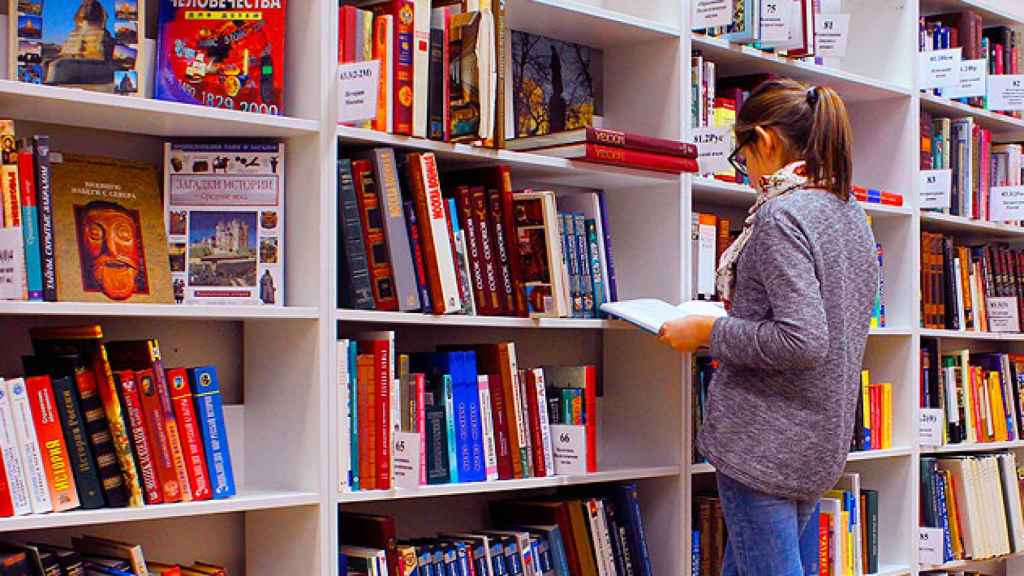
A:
650	313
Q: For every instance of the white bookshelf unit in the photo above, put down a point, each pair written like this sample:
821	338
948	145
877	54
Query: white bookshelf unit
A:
277	365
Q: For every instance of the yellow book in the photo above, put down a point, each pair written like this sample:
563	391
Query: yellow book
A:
865	390
886	415
995	394
847	544
724	116
954	526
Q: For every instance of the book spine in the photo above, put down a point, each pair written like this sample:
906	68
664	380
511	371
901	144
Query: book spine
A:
127	386
639	159
382	430
590	410
571	262
471	392
596	271
14	466
382	277
501	39
12	263
421	422
367	418
359	294
450	433
516	425
101	439
28	447
382	44
545	424
636	524
420	66
437	447
488	250
497	226
431	211
41	147
502	443
83	465
416	248
355	473
534	410
390	202
403	96
476	257
514	287
30	223
588	263
616	139
191	439
156	432
163	393
487	424
215	437
438	77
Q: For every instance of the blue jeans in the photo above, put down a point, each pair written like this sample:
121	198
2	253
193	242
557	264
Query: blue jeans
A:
764	531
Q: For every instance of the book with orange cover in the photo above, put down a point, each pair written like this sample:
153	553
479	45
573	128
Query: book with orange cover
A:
128	388
157	433
50	435
191	439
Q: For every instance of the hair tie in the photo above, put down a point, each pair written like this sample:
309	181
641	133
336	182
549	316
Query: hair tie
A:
812	96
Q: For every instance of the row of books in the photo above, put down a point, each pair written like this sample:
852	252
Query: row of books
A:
873	427
588	532
102	424
996	45
93	229
92	556
470	413
980	394
840	538
976	501
977	288
471	246
976	165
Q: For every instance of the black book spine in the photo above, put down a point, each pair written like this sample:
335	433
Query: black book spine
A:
355	277
437	444
41	148
102	443
438	76
617	543
554	405
87	481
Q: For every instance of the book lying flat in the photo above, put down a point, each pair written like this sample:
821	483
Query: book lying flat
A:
650	314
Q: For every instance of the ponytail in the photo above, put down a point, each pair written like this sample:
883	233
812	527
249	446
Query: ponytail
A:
813	125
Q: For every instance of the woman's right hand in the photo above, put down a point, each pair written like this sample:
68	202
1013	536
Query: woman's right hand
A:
687	334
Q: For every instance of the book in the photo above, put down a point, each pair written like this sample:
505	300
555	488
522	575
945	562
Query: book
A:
44	194
224	211
141	432
606	137
206	57
15	473
545	279
602	154
106	548
92	46
371	531
13	280
354	271
382	278
651	314
30	219
28	446
472	91
59	477
206	390
182	399
430	213
110	243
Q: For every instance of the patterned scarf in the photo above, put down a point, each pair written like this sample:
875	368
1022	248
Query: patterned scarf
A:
790	177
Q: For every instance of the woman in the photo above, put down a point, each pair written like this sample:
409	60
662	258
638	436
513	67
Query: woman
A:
799	283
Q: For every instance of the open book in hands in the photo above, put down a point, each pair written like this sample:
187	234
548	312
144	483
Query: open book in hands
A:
650	314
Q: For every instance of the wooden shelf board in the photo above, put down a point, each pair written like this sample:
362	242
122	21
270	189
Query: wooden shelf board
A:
245	501
586	24
976	447
737	58
87	109
1004	128
938	222
378	317
510	485
179	311
527	167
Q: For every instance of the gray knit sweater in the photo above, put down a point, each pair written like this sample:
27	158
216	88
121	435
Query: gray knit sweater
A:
780	411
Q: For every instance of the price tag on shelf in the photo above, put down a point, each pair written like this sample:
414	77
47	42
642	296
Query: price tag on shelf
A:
407	460
1002	314
775	18
831	31
930	546
358	90
1006	92
935	189
929	426
714	145
569	444
973	80
940	68
710	13
1006	203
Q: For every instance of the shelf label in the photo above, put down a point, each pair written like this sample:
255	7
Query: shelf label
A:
935	187
930	546
1006	203
570	448
1002	314
714	145
831	31
407	460
973	80
939	68
775	18
358	89
1006	92
710	13
929	427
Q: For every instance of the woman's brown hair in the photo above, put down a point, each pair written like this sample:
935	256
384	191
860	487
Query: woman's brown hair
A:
813	123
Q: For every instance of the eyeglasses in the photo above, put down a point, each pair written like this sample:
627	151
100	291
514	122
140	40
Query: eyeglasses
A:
738	161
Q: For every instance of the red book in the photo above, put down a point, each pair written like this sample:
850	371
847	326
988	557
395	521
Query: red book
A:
381	277
367	418
606	137
157	433
402	11
381	350
188	427
875	397
6	505
50	436
502	444
425	185
622	157
474	249
127	388
508	232
489	248
347	34
824	545
533	413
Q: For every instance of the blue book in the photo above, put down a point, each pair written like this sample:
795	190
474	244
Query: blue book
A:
417	257
466	444
449	419
627	502
695	554
342	564
462	558
809	545
512	558
450	557
947	542
593	252
30	230
613	289
215	436
498	558
424	562
353	410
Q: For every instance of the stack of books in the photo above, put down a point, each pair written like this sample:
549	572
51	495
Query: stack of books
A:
93	556
612	147
873	427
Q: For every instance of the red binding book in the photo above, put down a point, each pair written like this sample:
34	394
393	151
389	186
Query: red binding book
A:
50	436
533	413
502	444
488	247
367	418
381	350
498	227
425	190
159	445
381	276
606	137
401	90
475	250
623	157
188	428
128	389
508	232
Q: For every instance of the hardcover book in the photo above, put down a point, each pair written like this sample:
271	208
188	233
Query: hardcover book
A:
188	429
28	447
353	265
128	390
14	467
88	44
52	447
224	55
545	279
215	438
224	212
109	233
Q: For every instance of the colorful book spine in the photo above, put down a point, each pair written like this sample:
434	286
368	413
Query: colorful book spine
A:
436	103
488	249
395	228
513	276
664	146
613	290
128	389
383	51
367	415
353	407
358	293
44	193
118	431
487	421
570	260
590	266
403	12
430	210
90	494
466	394
214	430
191	439
160	448
163	393
468	222
30	221
416	248
14	466
28	447
382	277
101	440
596	267
502	442
60	478
637	158
450	429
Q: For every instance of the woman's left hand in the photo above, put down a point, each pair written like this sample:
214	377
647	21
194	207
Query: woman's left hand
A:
688	333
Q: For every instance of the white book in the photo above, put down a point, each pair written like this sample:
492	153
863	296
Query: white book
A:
651	313
420	67
607	555
706	256
975	301
376	560
28	446
438	226
17	476
345	427
958	281
521	428
1011	497
545	425
487	427
12	263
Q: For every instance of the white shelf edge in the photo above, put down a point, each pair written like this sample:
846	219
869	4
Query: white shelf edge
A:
581	9
375	316
950	222
971	335
1000	122
972	448
956	564
890	331
868	455
734	192
509	485
244	501
182	311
